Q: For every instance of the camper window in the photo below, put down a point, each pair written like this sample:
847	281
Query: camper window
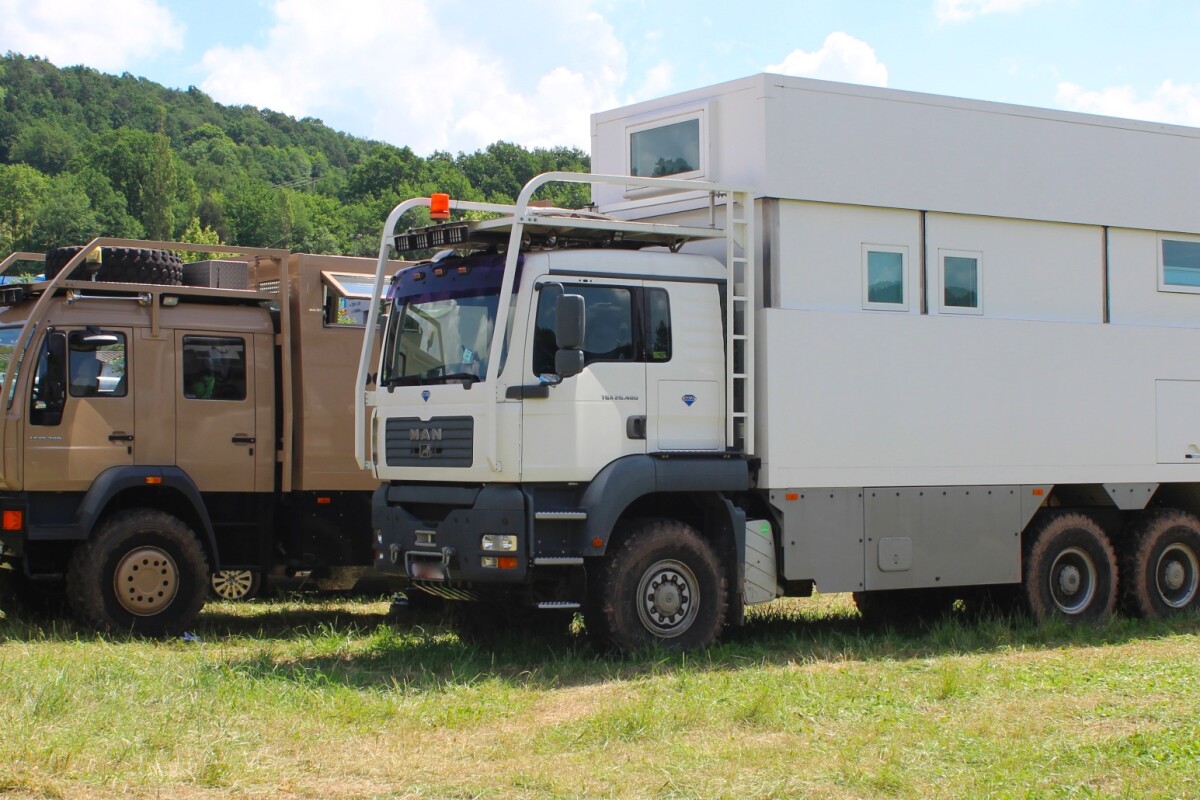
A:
962	282
884	284
1180	267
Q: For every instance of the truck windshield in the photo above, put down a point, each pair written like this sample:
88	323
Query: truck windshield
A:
441	321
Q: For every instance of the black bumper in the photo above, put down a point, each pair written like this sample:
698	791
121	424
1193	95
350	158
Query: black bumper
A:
434	533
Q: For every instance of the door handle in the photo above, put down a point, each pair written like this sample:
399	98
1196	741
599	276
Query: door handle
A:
116	436
242	438
635	427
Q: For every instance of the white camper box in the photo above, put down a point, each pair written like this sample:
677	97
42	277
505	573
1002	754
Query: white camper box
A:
1075	364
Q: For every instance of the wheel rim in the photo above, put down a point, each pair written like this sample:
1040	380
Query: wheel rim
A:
146	581
232	584
1176	575
668	598
1073	580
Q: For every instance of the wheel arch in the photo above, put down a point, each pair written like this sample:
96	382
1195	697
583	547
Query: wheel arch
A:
691	489
167	489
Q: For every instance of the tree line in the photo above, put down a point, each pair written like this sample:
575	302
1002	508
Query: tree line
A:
86	154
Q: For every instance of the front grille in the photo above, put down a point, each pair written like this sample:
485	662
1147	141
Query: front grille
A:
440	442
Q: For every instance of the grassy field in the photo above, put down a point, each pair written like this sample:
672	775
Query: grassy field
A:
327	698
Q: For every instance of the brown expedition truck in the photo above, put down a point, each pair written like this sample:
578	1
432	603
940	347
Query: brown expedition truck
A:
156	434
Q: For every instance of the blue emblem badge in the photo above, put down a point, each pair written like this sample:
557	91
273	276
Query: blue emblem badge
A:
425	395
688	399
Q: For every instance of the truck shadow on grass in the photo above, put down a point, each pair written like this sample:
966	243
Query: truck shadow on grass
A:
427	651
358	645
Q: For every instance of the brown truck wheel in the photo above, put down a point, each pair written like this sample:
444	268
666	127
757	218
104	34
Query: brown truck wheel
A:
143	572
121	265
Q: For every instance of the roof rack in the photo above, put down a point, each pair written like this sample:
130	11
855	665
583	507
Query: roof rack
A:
552	228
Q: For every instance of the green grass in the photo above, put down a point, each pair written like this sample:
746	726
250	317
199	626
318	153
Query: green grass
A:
327	698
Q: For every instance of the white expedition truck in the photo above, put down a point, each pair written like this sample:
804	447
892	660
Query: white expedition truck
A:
165	421
934	345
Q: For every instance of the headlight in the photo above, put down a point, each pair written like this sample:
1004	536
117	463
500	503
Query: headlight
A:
506	542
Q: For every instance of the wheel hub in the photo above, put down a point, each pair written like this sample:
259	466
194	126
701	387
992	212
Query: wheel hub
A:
1178	576
1173	575
1073	580
146	581
668	598
1069	580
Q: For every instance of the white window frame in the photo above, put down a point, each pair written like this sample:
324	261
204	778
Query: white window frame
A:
660	120
1163	286
975	255
867	305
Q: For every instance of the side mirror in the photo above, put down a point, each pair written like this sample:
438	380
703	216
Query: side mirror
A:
568	363
569	326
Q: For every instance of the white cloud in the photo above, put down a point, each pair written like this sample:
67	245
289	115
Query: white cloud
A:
963	10
1176	103
841	58
397	71
111	36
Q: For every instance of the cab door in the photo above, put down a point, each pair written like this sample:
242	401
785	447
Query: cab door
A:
81	413
575	428
216	434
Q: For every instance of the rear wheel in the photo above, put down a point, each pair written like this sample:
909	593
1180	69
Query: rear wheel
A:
143	572
1160	564
1070	569
662	586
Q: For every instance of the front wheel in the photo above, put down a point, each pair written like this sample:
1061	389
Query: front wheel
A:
143	572
663	586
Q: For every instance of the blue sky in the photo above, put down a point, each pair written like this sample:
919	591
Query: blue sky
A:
458	74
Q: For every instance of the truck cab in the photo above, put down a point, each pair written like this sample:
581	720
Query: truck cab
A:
553	393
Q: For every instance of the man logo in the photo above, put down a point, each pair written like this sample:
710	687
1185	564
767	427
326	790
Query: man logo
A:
425	434
425	395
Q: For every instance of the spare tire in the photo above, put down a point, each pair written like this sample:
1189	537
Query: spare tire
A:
121	265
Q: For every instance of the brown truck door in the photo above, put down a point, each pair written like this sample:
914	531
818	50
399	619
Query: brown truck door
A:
215	413
81	418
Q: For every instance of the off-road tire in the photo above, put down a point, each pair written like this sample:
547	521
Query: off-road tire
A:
235	585
902	607
659	566
1160	564
1070	569
165	548
121	265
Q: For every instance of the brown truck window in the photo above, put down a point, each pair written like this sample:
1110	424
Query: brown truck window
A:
96	364
214	368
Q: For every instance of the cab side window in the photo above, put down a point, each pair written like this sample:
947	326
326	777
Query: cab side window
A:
214	368
622	324
609	327
96	364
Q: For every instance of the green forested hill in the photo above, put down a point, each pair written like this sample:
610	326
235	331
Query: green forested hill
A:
85	154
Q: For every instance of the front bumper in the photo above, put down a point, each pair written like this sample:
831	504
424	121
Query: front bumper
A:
434	533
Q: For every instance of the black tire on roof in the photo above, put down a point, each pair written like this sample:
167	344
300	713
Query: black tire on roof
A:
121	265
